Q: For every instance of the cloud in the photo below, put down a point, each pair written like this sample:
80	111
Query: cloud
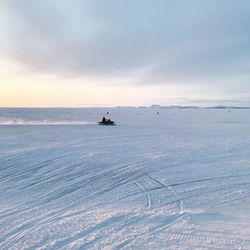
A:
152	41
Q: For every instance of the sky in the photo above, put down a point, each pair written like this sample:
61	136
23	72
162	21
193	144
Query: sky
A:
80	53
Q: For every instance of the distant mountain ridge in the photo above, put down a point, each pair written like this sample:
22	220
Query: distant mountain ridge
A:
156	106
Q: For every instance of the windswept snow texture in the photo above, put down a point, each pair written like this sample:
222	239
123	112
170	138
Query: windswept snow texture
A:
176	180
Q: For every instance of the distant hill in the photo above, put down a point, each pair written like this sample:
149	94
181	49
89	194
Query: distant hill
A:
156	106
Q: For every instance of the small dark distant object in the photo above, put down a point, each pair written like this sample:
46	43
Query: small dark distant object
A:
158	113
107	113
106	122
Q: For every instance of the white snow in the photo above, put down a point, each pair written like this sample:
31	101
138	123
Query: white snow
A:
177	180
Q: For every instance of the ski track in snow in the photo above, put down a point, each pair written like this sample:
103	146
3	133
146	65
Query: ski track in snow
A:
178	180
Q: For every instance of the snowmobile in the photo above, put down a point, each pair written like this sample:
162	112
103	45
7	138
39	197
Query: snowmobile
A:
106	122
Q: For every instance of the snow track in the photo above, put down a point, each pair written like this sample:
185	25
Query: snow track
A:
178	180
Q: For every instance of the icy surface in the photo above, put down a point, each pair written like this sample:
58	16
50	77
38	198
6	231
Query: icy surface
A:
176	180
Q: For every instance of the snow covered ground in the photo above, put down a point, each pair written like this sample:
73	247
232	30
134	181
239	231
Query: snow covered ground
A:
177	180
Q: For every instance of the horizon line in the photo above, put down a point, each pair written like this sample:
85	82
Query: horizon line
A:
131	106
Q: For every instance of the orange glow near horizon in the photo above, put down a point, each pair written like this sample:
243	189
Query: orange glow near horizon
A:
70	94
21	88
